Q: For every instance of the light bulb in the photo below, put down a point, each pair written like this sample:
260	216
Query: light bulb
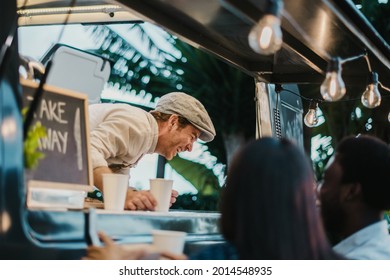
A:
388	117
371	97
311	118
266	36
333	87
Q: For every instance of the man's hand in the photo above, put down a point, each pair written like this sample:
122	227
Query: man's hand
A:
144	200
139	200
113	251
174	195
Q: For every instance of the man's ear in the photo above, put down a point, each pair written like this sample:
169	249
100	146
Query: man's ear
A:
173	119
352	191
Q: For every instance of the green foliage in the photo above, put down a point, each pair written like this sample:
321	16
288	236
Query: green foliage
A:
201	177
320	162
130	68
31	144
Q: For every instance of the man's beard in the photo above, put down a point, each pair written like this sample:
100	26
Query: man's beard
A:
333	220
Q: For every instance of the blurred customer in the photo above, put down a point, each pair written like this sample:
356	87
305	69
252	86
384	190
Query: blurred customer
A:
354	194
268	207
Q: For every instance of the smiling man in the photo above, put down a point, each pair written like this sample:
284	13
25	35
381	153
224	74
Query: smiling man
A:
122	134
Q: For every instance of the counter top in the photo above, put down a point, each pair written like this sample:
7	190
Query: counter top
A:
66	228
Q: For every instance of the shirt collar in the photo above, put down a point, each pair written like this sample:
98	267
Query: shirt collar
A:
154	125
361	237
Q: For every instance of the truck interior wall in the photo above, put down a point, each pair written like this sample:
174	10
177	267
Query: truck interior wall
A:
11	134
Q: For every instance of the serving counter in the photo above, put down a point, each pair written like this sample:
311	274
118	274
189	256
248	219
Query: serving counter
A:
75	229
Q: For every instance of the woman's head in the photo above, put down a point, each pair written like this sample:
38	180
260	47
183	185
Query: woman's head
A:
268	205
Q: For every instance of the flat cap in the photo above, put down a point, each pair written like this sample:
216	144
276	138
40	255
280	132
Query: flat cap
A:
190	108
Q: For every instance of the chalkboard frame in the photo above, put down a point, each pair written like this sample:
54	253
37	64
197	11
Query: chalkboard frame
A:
29	87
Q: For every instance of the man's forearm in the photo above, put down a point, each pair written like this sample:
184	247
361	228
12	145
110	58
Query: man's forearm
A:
98	178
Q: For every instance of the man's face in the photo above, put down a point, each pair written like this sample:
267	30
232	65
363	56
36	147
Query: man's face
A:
179	140
330	198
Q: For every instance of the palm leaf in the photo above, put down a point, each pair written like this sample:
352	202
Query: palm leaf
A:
202	178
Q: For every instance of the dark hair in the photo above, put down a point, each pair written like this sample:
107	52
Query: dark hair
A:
183	122
268	204
366	160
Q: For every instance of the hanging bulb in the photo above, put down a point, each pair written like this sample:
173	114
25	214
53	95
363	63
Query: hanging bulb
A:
311	118
371	97
388	117
333	87
266	36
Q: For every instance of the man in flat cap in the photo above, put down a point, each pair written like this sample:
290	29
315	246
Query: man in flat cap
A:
122	134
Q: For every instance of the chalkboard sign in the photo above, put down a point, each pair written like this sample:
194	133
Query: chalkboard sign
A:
64	114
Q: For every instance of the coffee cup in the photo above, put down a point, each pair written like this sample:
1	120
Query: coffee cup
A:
169	241
114	191
161	189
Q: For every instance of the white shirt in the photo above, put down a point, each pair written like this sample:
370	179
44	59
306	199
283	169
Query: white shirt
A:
369	243
120	135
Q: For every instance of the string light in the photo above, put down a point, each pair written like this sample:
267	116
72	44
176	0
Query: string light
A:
371	97
311	118
266	36
333	87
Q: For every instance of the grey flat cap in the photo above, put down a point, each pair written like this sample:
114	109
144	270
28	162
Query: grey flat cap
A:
190	108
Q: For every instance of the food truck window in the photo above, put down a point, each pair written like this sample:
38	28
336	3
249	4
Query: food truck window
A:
35	42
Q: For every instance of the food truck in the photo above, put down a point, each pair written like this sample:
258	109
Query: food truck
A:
44	217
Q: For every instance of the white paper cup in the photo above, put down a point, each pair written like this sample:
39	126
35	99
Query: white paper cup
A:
161	189
114	191
169	241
